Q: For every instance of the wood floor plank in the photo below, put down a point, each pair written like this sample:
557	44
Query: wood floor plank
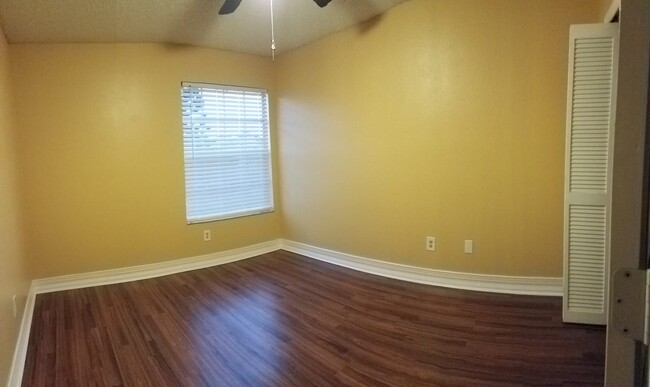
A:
281	319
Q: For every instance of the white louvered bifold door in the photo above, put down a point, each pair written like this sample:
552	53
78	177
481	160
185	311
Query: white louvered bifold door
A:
593	56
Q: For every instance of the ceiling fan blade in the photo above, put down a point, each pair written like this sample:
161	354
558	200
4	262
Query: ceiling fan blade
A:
322	3
229	6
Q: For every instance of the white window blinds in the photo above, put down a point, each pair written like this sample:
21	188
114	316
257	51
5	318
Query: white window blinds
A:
227	152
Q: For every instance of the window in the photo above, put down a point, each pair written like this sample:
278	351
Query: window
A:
227	152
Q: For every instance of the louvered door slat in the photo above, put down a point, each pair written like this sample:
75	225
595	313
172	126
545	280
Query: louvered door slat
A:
587	257
590	102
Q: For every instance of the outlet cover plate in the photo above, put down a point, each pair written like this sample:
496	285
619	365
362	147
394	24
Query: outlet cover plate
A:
430	244
469	246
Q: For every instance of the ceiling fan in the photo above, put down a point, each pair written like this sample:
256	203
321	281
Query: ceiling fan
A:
229	6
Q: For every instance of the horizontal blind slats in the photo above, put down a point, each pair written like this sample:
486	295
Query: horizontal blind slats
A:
226	143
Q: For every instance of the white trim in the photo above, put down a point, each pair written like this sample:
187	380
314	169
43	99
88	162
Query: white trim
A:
545	286
222	86
20	353
614	7
134	273
537	286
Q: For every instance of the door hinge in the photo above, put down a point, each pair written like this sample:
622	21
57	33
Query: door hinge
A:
630	309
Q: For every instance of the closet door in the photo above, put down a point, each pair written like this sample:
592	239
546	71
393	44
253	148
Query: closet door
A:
593	55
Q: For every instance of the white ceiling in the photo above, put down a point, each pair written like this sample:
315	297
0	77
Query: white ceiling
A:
195	22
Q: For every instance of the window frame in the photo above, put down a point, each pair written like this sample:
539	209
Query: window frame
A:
239	213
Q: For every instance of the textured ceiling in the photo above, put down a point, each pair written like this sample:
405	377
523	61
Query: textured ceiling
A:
194	22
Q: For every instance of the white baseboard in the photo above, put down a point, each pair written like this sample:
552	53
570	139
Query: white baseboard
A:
135	273
542	286
537	286
20	353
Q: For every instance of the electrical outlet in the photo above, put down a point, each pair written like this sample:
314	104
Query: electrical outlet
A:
469	246
13	301
431	244
207	235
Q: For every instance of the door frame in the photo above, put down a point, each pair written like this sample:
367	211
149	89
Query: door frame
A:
628	232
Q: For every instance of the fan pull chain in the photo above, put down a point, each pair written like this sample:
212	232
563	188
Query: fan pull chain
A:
272	33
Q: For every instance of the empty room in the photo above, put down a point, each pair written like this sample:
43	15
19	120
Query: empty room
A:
324	192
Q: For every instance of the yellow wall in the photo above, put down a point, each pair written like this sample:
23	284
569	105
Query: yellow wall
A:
603	7
438	118
13	276
101	157
442	118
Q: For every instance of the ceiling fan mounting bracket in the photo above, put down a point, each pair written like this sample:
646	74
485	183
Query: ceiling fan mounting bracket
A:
230	6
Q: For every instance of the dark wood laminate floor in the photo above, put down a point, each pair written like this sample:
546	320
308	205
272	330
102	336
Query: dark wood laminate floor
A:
281	319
